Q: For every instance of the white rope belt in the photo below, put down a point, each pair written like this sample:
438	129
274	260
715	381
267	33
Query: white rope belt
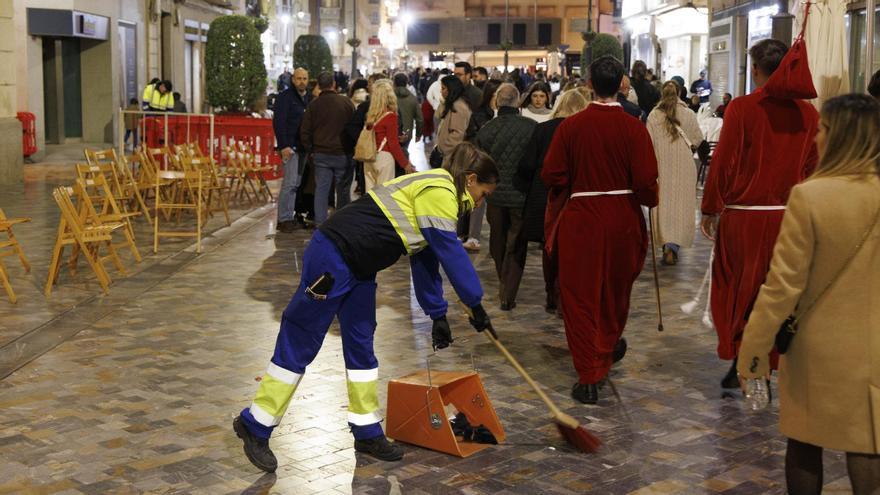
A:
754	208
590	194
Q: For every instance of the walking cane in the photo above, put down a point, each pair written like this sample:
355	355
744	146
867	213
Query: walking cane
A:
656	277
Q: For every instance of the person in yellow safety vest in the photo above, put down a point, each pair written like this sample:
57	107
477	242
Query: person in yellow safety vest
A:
148	93
413	215
162	99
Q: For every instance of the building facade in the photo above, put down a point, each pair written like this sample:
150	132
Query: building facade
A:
78	61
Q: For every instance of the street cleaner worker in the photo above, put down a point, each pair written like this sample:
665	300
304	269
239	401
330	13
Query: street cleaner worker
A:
413	215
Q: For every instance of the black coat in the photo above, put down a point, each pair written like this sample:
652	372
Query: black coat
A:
528	179
478	119
647	93
289	110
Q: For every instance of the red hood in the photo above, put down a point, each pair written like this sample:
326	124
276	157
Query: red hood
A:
793	79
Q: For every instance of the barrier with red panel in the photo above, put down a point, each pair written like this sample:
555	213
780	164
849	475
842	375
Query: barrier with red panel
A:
183	128
29	133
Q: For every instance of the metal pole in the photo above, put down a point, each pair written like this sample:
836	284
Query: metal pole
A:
354	30
870	8
506	39
535	23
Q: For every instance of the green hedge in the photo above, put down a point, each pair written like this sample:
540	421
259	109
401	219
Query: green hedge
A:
603	44
312	53
235	74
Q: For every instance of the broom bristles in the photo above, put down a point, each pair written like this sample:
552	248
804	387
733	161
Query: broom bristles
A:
689	307
580	438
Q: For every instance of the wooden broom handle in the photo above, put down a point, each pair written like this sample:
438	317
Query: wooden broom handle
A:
493	337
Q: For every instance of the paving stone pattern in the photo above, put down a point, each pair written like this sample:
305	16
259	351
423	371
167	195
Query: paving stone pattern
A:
141	399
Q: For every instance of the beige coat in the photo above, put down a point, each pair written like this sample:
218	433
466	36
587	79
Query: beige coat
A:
676	222
453	127
829	380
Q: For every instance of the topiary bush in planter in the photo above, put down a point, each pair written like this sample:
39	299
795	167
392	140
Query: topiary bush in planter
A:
235	74
312	53
603	44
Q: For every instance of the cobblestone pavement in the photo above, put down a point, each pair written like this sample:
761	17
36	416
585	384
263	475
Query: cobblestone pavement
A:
139	398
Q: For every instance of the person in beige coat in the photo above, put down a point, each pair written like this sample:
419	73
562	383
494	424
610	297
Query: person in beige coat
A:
455	115
674	132
829	380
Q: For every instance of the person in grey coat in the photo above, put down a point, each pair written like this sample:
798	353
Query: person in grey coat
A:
505	139
409	112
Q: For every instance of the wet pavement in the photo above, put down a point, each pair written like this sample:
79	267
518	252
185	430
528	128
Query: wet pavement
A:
136	391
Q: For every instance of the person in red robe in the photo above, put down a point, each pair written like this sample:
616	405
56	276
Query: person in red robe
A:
767	146
603	161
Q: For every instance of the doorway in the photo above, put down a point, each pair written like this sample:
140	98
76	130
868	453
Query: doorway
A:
62	90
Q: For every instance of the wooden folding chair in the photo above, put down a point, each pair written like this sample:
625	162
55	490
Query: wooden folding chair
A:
123	184
88	239
190	182
238	165
257	170
10	247
216	190
109	214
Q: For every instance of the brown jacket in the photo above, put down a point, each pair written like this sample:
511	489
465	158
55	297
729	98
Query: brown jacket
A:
453	127
323	123
829	380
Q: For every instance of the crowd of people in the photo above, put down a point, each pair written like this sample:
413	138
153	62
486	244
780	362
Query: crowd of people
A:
570	164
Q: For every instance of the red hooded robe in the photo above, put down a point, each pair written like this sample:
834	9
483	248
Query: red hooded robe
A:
767	146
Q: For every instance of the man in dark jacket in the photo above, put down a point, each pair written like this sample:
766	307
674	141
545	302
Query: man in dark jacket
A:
472	94
628	106
505	138
409	111
290	105
321	135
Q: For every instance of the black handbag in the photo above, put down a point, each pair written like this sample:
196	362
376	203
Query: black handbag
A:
436	159
789	327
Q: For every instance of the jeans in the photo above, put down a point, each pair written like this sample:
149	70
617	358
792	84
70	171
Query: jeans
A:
129	132
289	185
328	167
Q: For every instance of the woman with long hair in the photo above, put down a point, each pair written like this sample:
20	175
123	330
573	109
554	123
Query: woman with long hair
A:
412	215
646	92
536	104
528	181
454	118
675	133
382	119
824	270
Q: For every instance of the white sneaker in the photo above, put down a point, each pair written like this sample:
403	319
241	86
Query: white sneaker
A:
472	244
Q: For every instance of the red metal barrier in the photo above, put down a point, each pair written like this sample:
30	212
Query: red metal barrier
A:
28	133
182	129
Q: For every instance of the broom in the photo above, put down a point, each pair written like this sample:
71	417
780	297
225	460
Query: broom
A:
656	277
576	434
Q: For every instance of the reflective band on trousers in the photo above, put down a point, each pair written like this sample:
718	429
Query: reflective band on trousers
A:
754	208
273	397
590	194
412	238
363	399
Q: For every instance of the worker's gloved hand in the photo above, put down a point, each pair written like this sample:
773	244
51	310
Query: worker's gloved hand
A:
479	319
441	335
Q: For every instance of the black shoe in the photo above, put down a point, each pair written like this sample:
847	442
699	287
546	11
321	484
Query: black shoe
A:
256	449
507	306
380	448
730	380
587	394
288	226
619	350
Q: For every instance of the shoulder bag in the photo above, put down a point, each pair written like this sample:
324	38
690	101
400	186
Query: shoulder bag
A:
365	150
789	328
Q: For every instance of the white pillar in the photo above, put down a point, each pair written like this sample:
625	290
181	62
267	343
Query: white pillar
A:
11	162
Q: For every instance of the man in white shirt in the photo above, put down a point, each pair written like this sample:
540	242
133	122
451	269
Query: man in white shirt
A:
435	98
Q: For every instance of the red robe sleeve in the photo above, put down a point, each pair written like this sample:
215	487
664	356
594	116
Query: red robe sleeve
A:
725	160
644	168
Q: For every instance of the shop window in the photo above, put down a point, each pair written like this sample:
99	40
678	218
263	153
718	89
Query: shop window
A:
545	34
856	39
519	34
493	34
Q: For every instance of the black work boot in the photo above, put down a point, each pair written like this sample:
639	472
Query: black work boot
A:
619	350
587	394
730	380
380	448
255	448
